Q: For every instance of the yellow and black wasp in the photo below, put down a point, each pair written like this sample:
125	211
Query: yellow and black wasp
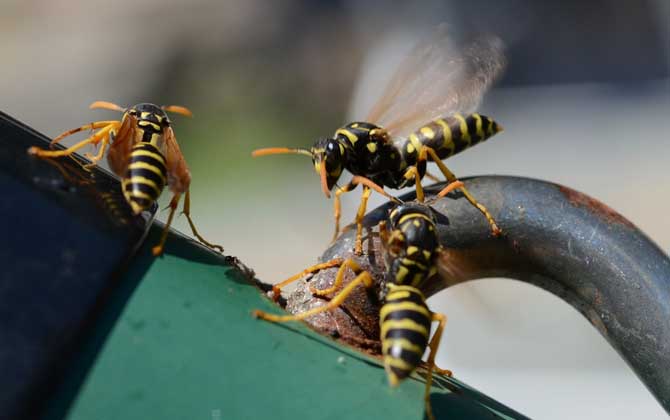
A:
438	83
411	251
141	149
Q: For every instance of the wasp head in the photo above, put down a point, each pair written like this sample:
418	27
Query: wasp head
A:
328	157
150	113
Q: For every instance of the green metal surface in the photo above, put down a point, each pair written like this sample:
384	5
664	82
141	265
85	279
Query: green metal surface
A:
185	346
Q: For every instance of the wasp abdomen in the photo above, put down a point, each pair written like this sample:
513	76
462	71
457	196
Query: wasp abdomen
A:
451	135
405	327
145	177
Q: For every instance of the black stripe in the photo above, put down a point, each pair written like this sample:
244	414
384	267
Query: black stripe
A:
150	160
147	147
142	202
400	373
132	187
471	121
149	174
414	337
415	316
143	145
411	358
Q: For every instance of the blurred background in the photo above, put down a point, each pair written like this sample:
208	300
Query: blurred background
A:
585	102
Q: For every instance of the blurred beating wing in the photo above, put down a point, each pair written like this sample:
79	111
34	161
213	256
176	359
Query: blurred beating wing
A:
179	177
438	79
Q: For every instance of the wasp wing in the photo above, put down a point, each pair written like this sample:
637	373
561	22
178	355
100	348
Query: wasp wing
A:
178	174
119	151
438	79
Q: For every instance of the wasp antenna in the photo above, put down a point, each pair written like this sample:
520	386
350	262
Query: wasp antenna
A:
106	105
178	110
280	151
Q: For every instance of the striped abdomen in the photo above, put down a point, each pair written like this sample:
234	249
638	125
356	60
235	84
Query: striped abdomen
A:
145	177
405	327
414	227
449	135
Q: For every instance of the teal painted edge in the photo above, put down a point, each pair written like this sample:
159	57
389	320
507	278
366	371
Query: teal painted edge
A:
185	346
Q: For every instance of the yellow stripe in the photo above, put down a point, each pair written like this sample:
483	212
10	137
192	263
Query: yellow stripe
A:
414	142
397	294
137	194
412	216
412	249
141	152
480	131
401	274
403	324
145	181
428	132
418	278
404	344
147	166
465	135
149	123
447	140
404	306
400	291
407	261
351	136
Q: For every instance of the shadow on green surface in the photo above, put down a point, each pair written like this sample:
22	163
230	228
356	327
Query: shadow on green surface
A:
129	278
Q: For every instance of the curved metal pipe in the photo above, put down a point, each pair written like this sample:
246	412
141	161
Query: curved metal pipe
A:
554	237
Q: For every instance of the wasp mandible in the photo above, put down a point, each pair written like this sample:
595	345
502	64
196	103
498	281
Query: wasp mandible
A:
141	149
425	113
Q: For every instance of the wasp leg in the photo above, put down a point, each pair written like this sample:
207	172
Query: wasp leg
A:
383	232
432	177
362	277
433	345
337	206
276	289
186	209
413	172
368	186
358	244
158	249
94	139
105	141
451	187
91	126
339	278
451	178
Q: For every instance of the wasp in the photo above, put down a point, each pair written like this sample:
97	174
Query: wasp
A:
143	151
425	113
412	249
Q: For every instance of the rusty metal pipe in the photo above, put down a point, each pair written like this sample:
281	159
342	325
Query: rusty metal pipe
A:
554	237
